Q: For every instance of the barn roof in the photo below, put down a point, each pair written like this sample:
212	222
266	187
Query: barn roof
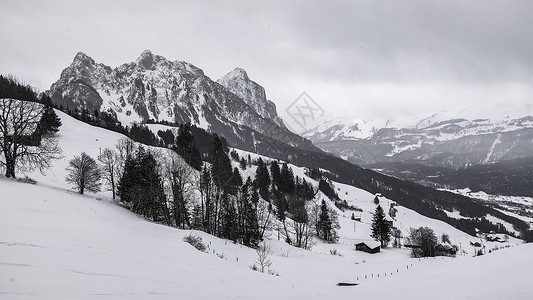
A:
370	243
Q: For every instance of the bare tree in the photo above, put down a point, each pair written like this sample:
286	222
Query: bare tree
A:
264	218
84	173
125	147
423	241
263	257
22	145
109	162
397	235
181	181
302	228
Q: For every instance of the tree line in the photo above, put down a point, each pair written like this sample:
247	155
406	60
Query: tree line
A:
164	186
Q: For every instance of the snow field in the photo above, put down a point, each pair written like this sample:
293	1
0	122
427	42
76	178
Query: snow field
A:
56	244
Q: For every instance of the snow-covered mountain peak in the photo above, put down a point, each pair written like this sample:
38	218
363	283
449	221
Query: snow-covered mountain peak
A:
152	87
82	59
147	60
238	73
238	82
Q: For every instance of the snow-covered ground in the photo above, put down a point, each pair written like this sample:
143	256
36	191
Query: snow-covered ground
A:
520	207
56	244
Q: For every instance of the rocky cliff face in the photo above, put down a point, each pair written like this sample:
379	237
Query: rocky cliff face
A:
153	87
253	94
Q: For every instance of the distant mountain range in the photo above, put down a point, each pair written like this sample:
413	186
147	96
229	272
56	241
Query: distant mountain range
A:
452	140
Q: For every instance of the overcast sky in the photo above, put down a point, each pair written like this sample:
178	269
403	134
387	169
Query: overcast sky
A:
365	59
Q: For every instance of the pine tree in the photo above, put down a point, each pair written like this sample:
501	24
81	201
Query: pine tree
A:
324	222
228	226
287	184
221	170
276	173
186	147
248	215
242	163
141	186
262	179
197	220
50	122
236	181
381	230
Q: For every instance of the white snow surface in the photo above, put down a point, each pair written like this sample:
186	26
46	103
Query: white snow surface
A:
56	244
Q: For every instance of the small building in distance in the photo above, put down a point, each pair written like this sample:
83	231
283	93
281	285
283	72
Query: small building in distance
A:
368	246
446	249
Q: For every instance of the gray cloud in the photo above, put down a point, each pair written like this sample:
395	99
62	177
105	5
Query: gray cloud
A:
369	58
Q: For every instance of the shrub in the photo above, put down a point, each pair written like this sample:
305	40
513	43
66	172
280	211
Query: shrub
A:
27	179
195	241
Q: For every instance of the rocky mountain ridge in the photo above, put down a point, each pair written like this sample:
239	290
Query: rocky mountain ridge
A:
452	140
155	88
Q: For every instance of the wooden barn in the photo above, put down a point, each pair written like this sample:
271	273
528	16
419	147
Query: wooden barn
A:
446	249
368	246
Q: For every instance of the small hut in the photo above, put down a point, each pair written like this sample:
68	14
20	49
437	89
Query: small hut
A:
368	246
446	249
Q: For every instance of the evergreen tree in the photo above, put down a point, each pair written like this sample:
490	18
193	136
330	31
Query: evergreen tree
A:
49	122
221	170
381	230
242	163
287	184
276	174
197	220
262	179
248	215
236	181
255	197
141	186
324	222
228	227
186	147
167	136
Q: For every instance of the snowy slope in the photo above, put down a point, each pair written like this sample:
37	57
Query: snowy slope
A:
58	245
55	244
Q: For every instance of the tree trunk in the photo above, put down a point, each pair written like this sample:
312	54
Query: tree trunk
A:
10	166
113	185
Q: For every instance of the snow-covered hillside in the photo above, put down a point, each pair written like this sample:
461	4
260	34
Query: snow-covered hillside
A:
59	245
56	244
